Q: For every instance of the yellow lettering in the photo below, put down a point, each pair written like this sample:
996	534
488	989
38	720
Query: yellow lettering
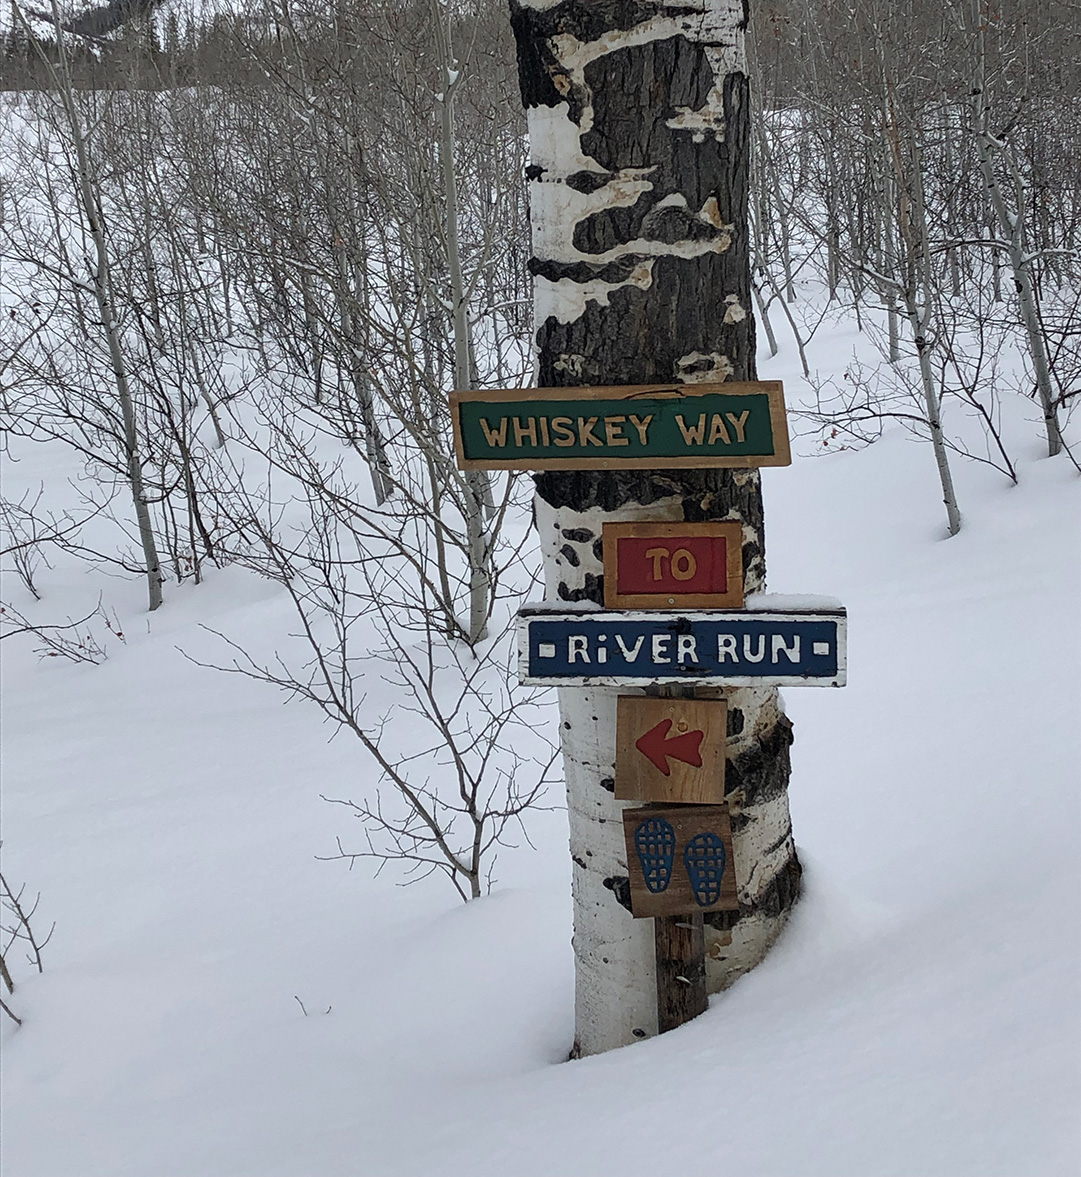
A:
585	431
562	431
692	434
717	431
613	431
544	431
521	433
684	565
641	426
739	423
495	437
657	555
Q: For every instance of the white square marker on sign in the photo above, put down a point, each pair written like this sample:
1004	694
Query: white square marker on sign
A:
821	647
546	650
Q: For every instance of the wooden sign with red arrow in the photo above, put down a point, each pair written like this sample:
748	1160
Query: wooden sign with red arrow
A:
670	749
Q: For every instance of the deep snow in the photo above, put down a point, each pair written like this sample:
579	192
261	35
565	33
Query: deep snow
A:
919	1018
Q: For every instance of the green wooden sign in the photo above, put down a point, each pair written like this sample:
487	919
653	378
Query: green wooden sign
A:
645	426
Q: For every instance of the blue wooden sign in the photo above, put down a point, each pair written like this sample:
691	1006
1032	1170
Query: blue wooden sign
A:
752	647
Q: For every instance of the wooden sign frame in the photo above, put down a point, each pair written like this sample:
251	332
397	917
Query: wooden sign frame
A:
729	530
682	827
616	433
638	777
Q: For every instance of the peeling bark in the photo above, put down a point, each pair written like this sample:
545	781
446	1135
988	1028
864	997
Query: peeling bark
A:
639	121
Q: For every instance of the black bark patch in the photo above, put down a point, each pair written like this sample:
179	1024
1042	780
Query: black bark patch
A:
647	332
537	63
590	19
534	171
613	272
620	886
609	784
570	555
582	490
578	535
592	590
598	549
672	223
635	92
761	772
735	722
609	227
586	181
580	861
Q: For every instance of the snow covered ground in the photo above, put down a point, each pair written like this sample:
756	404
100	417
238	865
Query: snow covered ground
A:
218	1003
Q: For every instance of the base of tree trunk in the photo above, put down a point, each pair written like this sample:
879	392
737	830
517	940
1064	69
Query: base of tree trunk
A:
615	958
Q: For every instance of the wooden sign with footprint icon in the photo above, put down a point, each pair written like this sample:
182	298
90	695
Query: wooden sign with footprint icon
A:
679	859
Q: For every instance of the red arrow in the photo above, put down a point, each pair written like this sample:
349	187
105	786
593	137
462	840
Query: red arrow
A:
656	746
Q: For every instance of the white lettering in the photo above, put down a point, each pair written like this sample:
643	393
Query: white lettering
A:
726	646
761	652
685	648
546	650
632	653
578	645
779	644
660	646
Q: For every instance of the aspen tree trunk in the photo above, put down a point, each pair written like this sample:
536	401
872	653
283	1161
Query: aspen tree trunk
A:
639	121
1011	224
102	281
919	304
477	491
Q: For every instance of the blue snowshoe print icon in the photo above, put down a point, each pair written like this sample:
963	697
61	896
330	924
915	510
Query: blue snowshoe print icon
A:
704	858
655	843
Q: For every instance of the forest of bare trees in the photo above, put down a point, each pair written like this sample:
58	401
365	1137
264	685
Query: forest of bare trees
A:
243	260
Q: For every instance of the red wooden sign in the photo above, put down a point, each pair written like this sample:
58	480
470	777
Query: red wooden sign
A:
673	565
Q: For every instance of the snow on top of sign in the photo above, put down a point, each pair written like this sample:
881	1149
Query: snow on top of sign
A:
562	607
791	603
755	603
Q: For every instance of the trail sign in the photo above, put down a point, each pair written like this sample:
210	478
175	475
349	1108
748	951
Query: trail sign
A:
757	646
636	426
679	859
673	565
670	750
